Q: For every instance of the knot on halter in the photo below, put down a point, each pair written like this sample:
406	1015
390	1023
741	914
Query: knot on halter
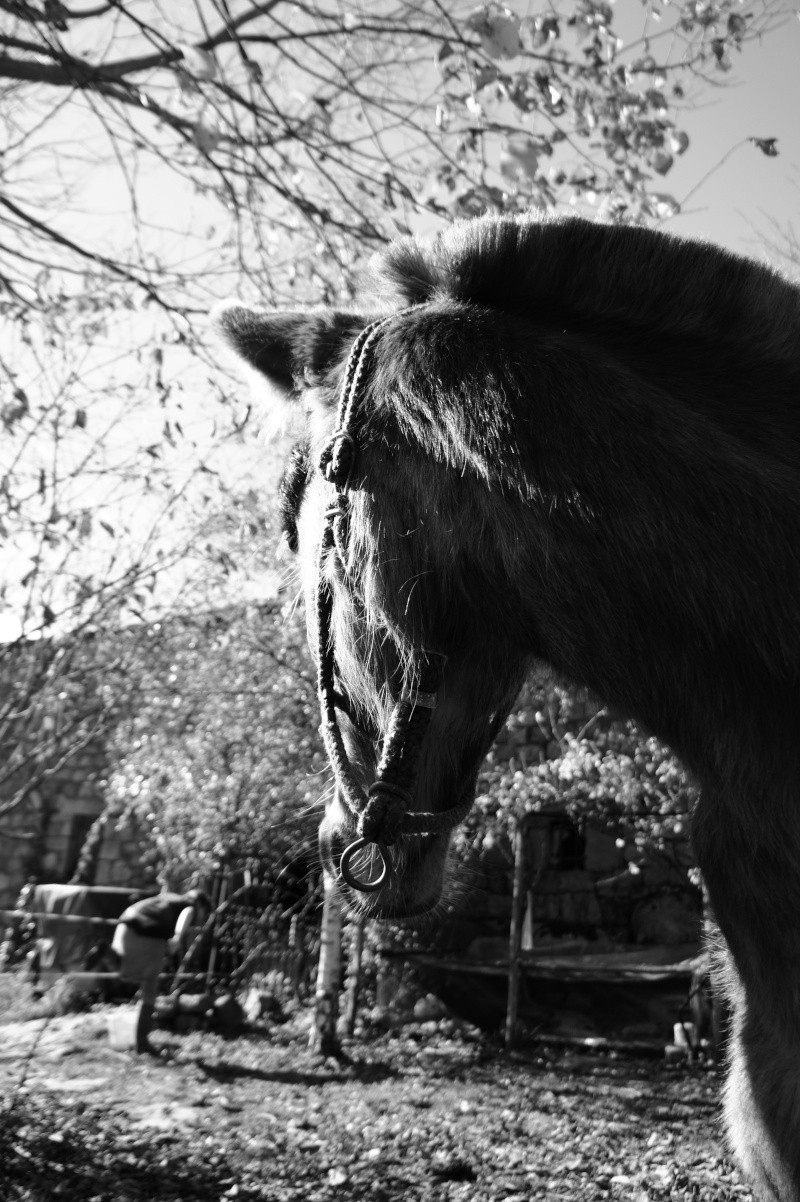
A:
338	516
338	459
381	820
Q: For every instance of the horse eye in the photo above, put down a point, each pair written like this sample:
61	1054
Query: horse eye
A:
291	489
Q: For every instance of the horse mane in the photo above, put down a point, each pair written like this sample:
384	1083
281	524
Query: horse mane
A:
709	336
600	278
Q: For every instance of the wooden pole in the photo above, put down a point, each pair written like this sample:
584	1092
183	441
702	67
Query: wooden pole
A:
212	955
353	976
515	933
323	1038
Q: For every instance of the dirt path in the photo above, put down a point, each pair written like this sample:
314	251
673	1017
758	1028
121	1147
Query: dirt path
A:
427	1116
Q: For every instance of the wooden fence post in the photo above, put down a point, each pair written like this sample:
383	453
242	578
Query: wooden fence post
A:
324	1038
212	955
515	933
354	975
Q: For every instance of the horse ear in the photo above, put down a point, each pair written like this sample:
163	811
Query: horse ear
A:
286	349
266	341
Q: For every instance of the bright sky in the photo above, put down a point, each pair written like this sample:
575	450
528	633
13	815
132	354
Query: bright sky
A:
737	204
759	97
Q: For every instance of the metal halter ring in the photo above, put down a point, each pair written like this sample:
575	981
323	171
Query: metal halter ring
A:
367	886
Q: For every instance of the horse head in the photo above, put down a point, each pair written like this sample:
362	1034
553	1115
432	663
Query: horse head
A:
538	443
387	502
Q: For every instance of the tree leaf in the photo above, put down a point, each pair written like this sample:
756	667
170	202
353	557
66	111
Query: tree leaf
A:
498	30
766	146
519	156
199	62
206	137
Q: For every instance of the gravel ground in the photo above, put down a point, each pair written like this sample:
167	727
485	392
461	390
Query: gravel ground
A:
436	1114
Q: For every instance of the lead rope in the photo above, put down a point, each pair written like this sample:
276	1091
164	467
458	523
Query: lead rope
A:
384	812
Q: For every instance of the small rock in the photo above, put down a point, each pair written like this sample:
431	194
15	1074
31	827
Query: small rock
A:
194	1003
453	1168
74	1084
228	1013
429	1008
674	1052
260	1004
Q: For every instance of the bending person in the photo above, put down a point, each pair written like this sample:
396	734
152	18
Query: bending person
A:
145	932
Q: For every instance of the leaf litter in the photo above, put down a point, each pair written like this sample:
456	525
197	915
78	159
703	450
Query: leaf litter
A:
445	1117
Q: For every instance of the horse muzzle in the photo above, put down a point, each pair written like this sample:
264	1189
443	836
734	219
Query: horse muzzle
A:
397	882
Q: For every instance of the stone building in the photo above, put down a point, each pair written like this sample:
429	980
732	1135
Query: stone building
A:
44	836
53	769
67	705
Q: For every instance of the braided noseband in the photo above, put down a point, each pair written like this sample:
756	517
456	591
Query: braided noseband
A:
384	813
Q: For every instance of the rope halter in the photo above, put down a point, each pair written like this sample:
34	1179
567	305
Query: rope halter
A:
385	812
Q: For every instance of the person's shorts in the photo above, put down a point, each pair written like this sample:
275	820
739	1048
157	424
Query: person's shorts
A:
140	957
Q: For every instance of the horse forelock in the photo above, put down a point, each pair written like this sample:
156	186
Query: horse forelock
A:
439	459
399	595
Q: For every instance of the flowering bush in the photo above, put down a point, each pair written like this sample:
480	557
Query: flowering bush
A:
597	768
218	756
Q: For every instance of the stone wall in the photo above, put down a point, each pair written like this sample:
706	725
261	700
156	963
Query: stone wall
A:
44	833
56	694
126	856
44	836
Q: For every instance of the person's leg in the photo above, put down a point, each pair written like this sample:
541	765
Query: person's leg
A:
147	1005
